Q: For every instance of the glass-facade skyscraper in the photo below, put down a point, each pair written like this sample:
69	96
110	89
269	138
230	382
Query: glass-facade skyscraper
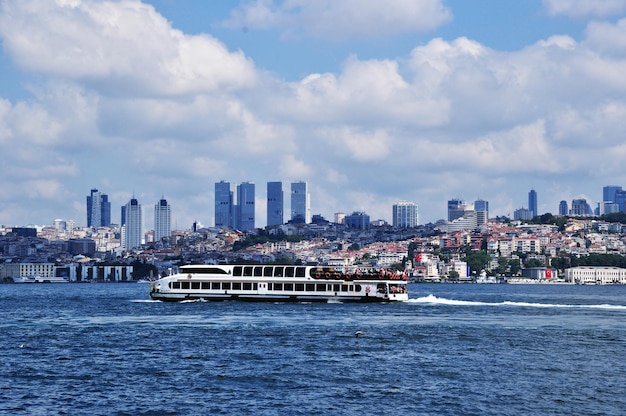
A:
98	209
245	206
162	220
223	205
275	203
300	202
132	229
532	202
482	211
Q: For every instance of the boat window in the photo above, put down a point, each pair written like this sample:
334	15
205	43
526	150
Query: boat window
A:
247	271
255	286
321	287
336	287
226	285
300	287
203	270
267	271
175	285
258	271
310	287
236	286
238	271
247	286
357	288
215	285
205	285
288	286
184	285
278	286
278	271
195	285
289	271
344	288
300	271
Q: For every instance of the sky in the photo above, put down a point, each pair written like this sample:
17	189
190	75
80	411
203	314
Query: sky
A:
370	103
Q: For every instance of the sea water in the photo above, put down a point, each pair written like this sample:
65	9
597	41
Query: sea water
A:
106	349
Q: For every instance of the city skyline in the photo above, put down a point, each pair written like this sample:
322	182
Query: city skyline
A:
407	101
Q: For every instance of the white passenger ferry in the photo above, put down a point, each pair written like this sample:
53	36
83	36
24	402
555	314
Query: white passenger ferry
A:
280	284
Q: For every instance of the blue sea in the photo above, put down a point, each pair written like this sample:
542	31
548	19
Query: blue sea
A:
458	349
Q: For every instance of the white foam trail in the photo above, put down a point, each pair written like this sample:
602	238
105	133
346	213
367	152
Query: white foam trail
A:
434	300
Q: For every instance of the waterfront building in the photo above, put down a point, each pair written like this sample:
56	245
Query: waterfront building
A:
595	275
98	209
563	208
358	220
245	208
482	211
405	215
275	203
300	202
223	205
162	220
132	228
532	202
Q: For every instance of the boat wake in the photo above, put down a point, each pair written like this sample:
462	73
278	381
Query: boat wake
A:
434	300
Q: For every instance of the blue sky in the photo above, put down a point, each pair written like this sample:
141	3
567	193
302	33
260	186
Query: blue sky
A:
370	103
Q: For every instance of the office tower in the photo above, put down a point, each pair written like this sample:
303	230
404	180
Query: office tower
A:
223	205
482	211
532	202
162	220
245	206
405	215
620	200
608	193
456	208
580	207
358	220
300	202
98	209
523	214
132	230
563	208
275	203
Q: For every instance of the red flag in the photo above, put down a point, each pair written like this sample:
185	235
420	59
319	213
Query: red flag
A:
548	273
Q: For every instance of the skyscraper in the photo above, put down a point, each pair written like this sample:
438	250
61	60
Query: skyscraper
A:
98	209
609	191
482	211
300	202
275	203
456	208
532	202
405	215
132	229
563	208
162	220
245	206
223	205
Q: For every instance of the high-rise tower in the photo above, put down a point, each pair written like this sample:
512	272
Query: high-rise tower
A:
162	220
245	206
132	229
300	202
482	211
223	205
405	215
98	209
275	203
532	202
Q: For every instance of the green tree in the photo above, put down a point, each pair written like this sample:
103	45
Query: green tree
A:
454	275
477	261
514	266
534	263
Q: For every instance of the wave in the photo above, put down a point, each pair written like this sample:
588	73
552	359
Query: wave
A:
434	300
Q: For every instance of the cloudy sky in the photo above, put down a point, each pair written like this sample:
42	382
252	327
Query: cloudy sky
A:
369	102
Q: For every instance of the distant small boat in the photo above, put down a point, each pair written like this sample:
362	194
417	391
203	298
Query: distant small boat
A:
39	279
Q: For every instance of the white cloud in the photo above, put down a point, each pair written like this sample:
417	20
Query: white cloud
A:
341	18
584	8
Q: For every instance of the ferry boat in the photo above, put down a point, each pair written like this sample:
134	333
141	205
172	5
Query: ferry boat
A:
280	284
39	279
